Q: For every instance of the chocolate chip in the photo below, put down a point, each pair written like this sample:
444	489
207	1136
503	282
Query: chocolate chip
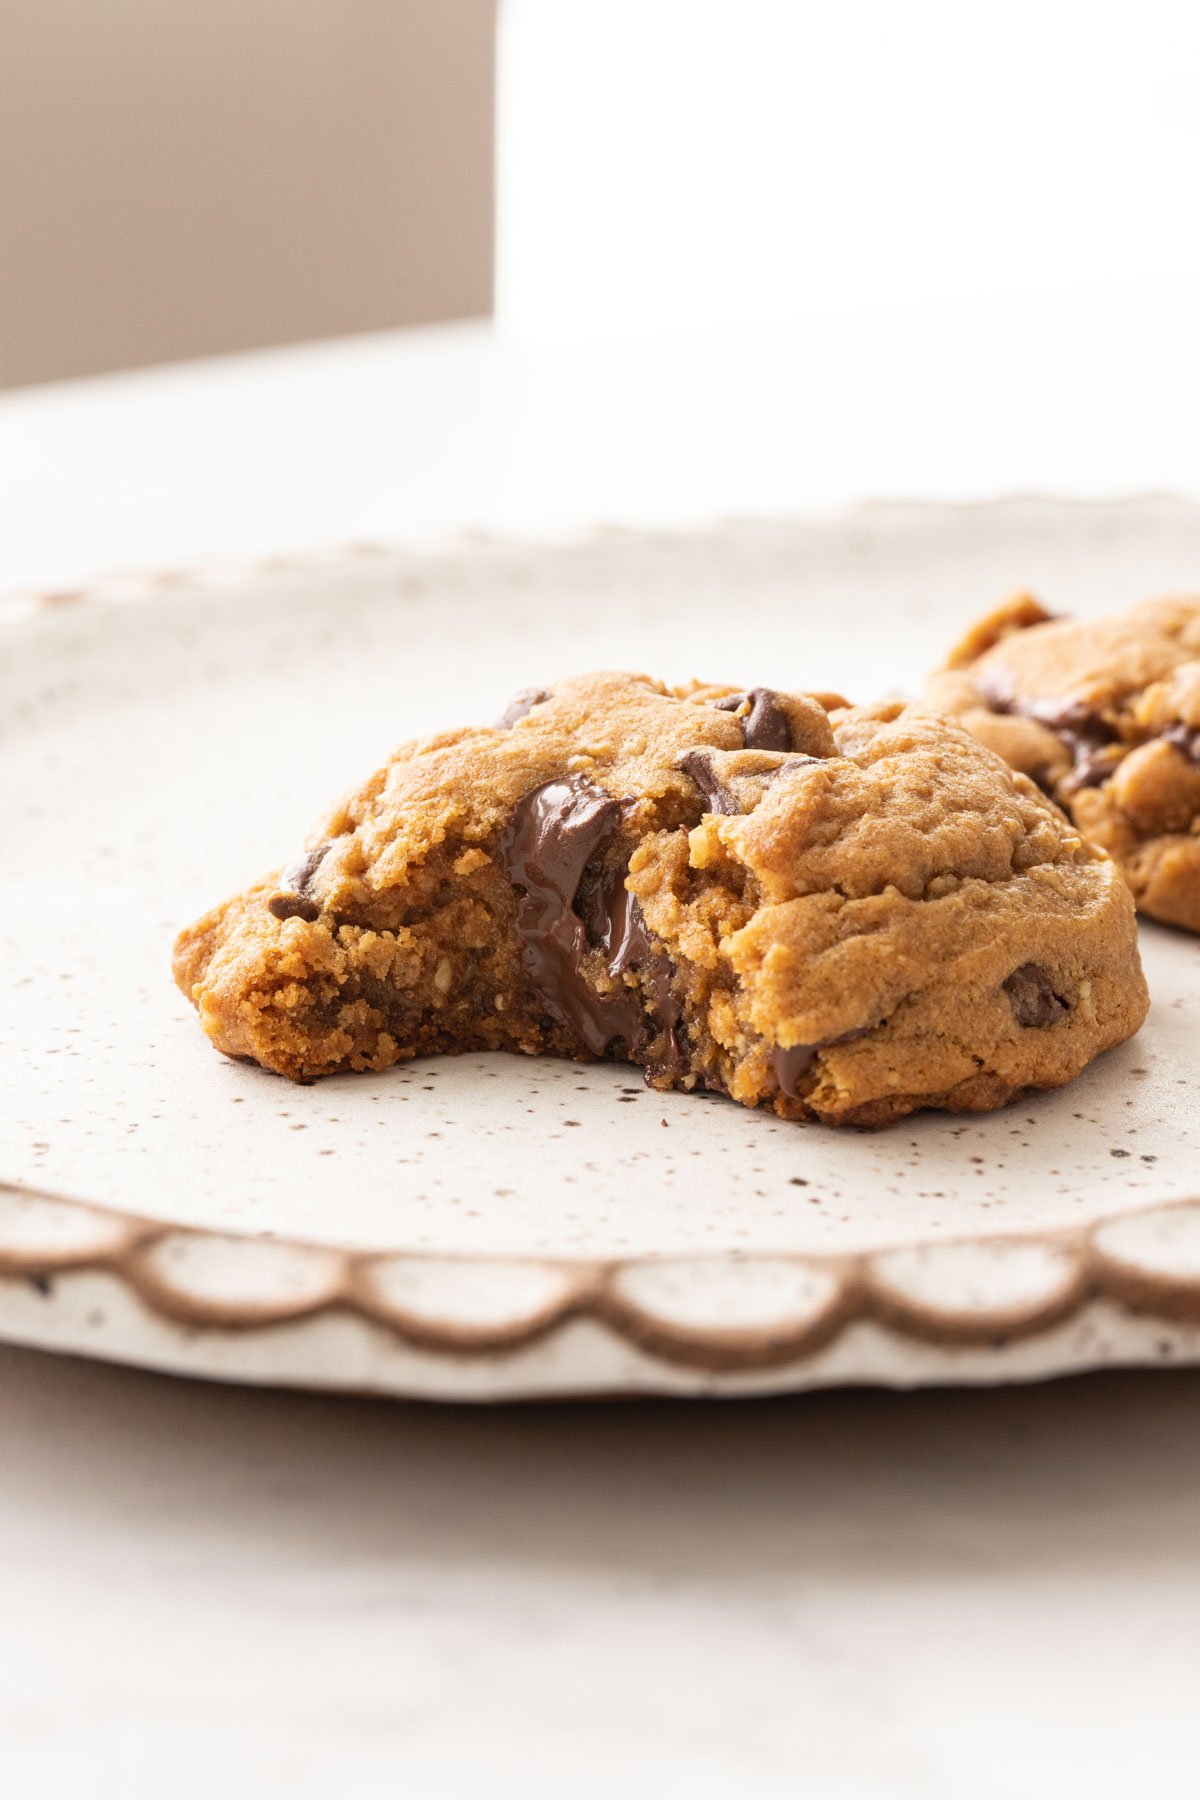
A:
1091	770
1185	738
1094	744
298	875
632	948
1086	735
554	832
519	705
1032	997
296	902
766	726
291	906
1072	719
790	1064
698	764
793	1062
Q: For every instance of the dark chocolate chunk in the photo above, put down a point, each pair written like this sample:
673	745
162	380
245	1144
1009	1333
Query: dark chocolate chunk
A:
298	875
766	726
790	1064
1086	735
296	900
1090	771
552	835
291	906
1032	997
632	948
698	764
519	705
1185	738
794	1062
1072	719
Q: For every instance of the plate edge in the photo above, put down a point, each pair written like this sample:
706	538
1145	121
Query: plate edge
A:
709	1313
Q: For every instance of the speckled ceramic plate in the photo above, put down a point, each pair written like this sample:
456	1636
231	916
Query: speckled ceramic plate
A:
491	1227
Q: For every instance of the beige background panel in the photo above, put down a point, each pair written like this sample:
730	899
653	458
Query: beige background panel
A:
187	179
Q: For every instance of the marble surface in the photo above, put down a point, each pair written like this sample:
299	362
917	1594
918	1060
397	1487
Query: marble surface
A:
848	1595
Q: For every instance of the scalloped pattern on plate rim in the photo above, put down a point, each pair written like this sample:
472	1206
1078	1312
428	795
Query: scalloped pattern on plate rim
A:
719	1313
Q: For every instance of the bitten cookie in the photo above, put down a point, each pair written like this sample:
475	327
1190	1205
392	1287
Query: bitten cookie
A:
1105	715
838	912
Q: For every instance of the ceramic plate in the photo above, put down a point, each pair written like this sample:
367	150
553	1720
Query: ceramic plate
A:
492	1227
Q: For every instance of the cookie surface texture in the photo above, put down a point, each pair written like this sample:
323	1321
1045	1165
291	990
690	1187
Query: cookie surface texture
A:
1105	715
834	912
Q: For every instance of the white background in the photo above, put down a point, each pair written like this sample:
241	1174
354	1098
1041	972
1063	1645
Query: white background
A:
699	165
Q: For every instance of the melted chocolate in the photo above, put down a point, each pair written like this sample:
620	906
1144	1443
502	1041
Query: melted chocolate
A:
297	902
554	833
632	948
519	705
1032	997
766	726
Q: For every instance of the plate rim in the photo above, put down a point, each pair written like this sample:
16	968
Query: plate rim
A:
166	1268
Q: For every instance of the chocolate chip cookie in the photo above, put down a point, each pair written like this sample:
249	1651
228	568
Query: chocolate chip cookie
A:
838	912
1105	715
